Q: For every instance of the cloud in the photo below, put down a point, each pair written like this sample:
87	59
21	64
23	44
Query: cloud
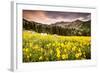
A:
86	18
49	17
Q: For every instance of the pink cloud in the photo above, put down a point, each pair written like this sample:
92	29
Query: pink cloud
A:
42	17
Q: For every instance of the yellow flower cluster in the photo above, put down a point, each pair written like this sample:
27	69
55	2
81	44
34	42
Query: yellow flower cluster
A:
58	52
37	47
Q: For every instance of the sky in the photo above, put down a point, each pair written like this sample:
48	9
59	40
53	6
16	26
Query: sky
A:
49	17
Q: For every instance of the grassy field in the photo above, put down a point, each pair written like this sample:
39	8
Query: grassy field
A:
45	47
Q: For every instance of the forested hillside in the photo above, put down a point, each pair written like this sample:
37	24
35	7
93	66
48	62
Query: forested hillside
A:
75	28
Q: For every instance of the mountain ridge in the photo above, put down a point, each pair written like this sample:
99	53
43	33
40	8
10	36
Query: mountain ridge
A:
76	27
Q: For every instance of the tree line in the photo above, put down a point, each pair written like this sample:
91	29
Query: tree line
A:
84	30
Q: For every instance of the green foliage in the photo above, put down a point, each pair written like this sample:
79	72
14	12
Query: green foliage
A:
37	47
77	28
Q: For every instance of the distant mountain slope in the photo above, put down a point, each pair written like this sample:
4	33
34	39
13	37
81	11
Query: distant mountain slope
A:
74	24
75	28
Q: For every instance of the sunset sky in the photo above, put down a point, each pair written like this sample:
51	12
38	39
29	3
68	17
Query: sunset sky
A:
48	17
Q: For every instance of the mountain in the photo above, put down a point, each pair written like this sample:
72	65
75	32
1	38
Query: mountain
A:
73	28
61	24
77	24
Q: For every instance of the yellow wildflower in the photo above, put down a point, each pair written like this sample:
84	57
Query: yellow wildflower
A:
84	53
51	51
30	44
40	58
28	56
79	50
26	49
78	55
74	48
63	56
65	50
58	55
36	47
62	45
66	56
